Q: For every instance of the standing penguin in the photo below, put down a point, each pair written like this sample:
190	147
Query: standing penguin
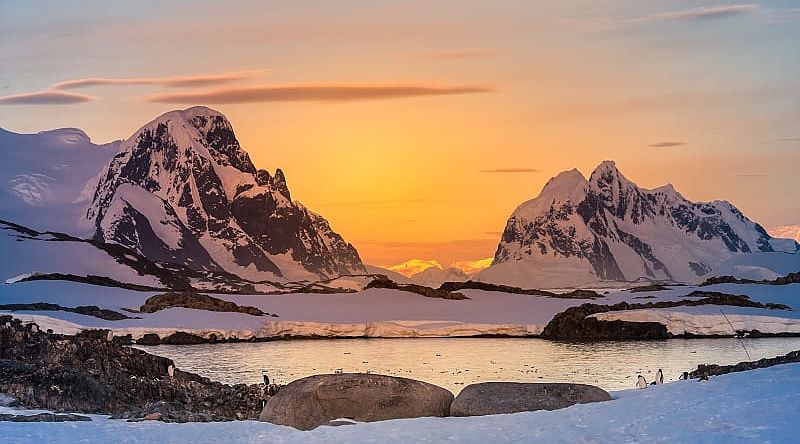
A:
659	377
641	382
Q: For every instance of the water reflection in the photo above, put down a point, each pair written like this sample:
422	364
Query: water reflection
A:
455	362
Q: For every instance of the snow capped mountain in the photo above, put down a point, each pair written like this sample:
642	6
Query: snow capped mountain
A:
580	231
434	276
181	189
43	178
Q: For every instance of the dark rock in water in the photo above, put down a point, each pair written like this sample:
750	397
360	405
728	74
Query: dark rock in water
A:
90	374
316	400
706	370
575	324
183	338
492	398
196	301
43	417
149	339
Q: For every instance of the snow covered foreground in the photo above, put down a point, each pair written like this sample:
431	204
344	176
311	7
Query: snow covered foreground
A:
754	406
391	313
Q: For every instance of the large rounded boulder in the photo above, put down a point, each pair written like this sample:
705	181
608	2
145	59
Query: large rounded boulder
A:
491	398
316	400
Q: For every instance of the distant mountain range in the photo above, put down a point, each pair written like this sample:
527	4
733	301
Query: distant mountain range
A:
580	231
179	204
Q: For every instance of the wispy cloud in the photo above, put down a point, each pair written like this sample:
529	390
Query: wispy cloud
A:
453	55
702	13
511	170
753	176
666	144
46	97
788	139
171	82
312	93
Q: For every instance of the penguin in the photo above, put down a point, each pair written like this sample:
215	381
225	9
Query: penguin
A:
110	336
684	376
659	377
266	377
641	382
171	370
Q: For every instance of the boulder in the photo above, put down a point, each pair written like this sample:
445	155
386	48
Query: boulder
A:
492	398
316	400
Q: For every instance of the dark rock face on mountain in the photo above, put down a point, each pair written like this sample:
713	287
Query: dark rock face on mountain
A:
182	190
606	228
89	373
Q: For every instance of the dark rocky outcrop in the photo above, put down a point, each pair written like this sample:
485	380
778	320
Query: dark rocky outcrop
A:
653	287
310	402
43	417
791	278
492	398
90	374
575	324
89	310
474	285
88	279
196	301
705	370
384	282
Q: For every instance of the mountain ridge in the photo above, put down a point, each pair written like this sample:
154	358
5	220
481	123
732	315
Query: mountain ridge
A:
606	228
179	190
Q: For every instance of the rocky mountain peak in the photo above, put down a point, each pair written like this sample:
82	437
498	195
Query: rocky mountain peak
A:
613	230
183	189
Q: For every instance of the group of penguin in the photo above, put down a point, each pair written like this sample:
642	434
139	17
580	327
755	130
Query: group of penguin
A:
642	383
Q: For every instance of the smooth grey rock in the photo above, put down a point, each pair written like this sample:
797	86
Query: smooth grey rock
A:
491	398
316	400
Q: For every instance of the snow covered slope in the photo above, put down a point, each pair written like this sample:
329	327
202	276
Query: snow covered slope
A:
434	276
182	190
580	231
43	178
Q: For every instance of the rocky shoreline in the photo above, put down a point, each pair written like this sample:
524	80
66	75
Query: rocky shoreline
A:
703	371
94	373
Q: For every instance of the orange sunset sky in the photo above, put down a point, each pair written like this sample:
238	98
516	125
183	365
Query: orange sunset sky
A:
417	127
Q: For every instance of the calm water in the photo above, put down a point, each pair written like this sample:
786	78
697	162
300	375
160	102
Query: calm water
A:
455	362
